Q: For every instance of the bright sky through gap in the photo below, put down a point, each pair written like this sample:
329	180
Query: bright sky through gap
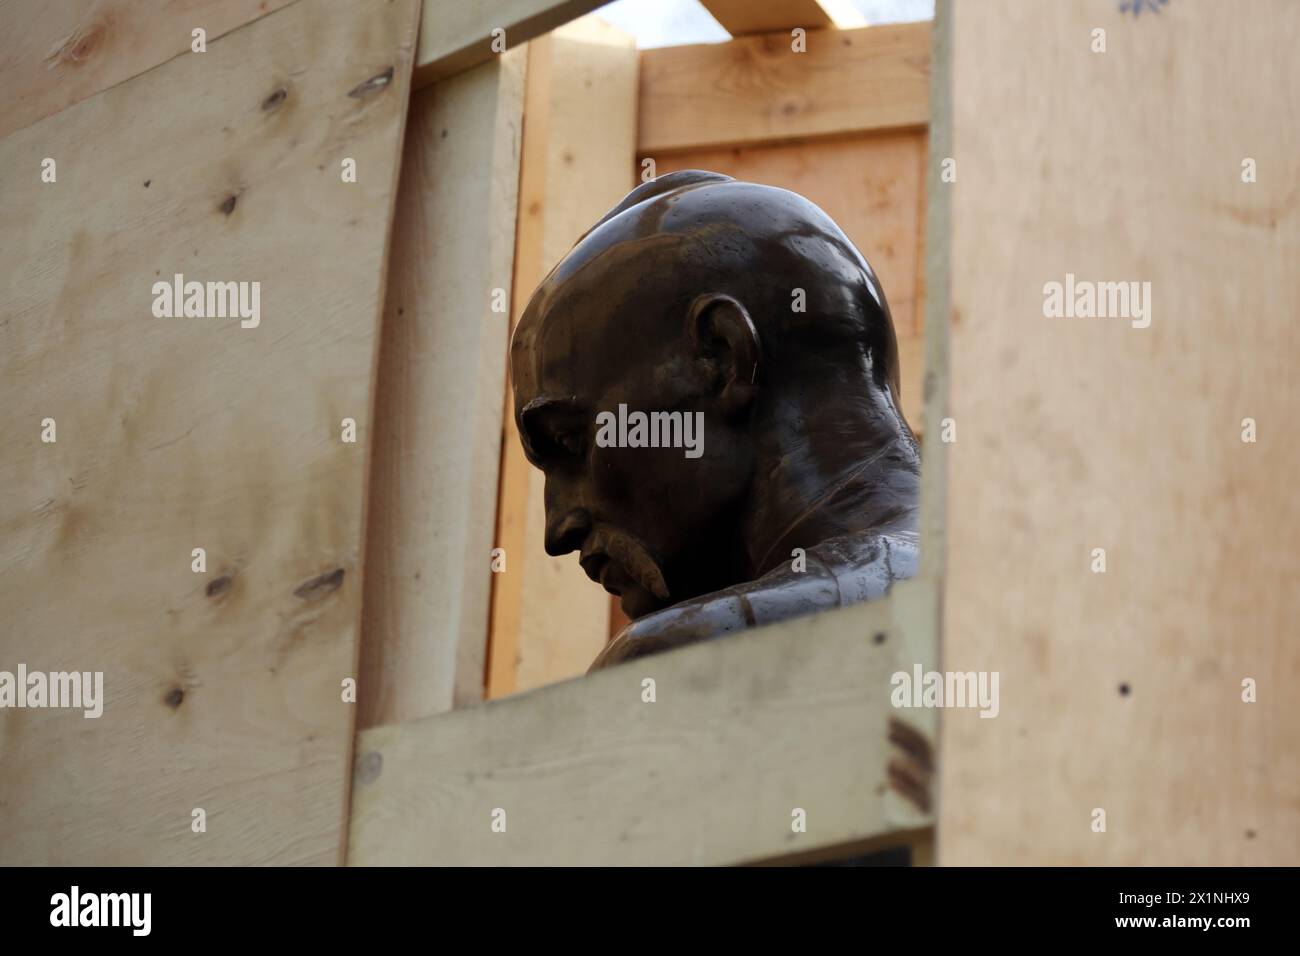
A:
672	22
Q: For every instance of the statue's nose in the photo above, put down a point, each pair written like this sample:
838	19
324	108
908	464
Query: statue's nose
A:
568	533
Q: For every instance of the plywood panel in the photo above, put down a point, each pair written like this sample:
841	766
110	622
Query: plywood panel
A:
549	621
1123	690
223	689
438	416
759	89
54	54
58	53
741	733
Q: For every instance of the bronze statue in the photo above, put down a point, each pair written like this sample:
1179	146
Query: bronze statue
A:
709	380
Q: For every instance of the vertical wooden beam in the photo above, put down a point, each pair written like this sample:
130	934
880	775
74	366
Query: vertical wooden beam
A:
438	404
549	621
916	605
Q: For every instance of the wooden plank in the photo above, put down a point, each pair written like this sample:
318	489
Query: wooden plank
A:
870	185
911	373
757	89
456	35
57	54
223	689
916	605
437	437
937	229
843	13
1123	690
516	477
549	620
742	732
745	17
919	305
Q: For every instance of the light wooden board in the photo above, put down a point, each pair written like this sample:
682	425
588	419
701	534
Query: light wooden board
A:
911	373
438	402
58	52
1074	434
872	187
456	35
223	689
54	53
743	17
757	89
549	621
741	733
933	296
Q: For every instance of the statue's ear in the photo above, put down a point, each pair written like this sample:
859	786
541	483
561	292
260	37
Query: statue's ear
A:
721	330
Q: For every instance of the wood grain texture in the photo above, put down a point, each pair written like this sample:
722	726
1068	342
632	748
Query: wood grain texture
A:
456	35
757	89
223	689
742	731
872	187
916	604
1123	690
744	17
549	621
58	52
437	441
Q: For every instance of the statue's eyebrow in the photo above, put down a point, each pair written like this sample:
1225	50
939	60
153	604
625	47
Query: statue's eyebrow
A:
534	418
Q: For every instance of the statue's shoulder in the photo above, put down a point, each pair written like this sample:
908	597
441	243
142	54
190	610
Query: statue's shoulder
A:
834	573
864	566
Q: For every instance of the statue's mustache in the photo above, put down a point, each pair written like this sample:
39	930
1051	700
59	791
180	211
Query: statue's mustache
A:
633	556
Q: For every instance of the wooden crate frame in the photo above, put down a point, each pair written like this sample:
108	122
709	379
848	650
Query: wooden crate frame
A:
742	734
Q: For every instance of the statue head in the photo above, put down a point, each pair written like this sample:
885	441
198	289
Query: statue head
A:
755	343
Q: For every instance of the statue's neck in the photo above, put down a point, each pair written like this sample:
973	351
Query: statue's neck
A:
825	469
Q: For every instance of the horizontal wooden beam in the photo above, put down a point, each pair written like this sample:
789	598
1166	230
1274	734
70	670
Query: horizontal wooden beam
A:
743	732
456	35
746	17
843	14
758	89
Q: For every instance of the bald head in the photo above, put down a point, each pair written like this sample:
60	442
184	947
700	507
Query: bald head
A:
741	306
635	274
